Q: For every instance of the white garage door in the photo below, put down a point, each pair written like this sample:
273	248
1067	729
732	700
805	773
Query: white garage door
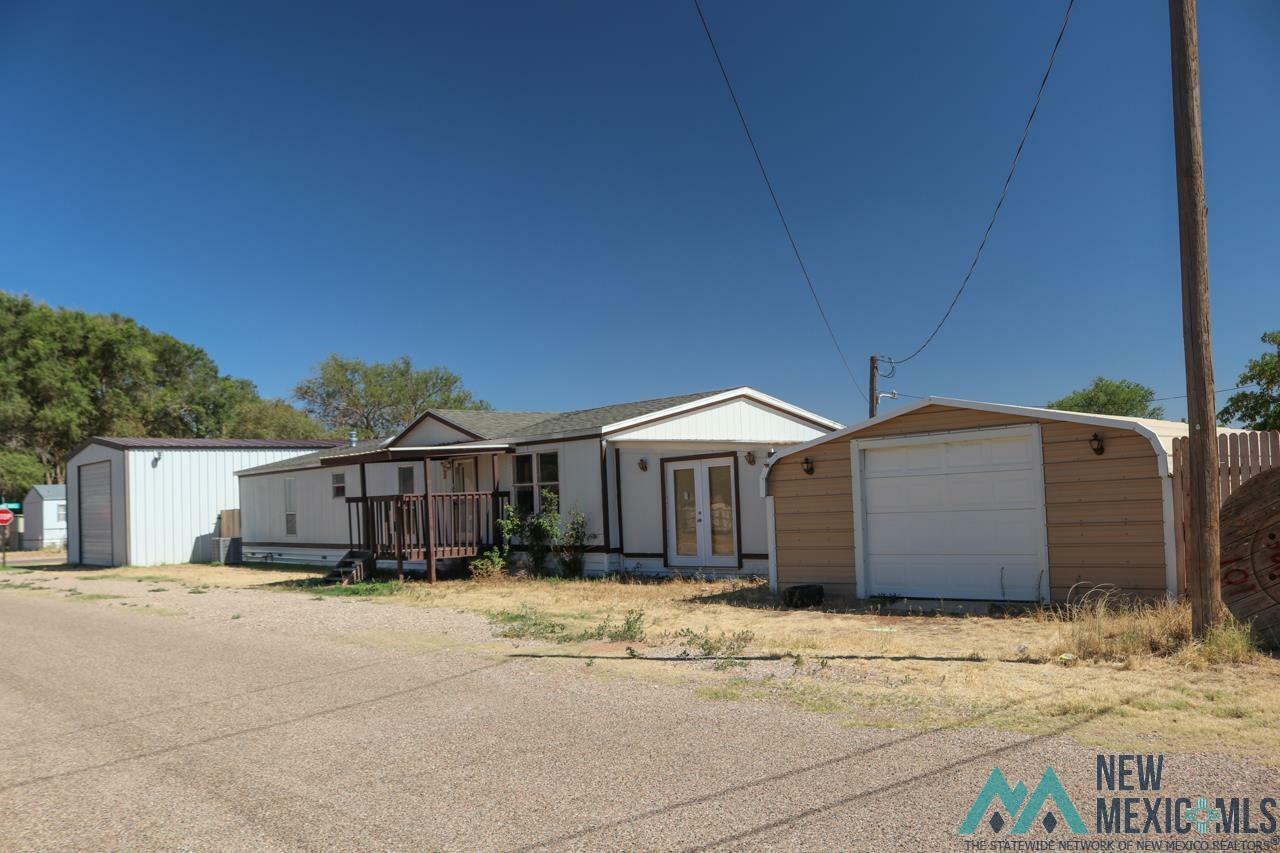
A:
958	517
95	514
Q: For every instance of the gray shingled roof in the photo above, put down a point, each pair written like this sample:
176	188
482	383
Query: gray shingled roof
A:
54	492
492	424
144	443
501	426
312	460
589	419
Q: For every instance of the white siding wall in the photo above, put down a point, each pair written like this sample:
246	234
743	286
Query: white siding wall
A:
97	453
642	507
322	536
42	528
174	500
431	432
55	531
736	420
579	485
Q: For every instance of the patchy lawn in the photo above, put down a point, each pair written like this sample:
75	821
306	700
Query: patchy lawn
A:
730	641
202	575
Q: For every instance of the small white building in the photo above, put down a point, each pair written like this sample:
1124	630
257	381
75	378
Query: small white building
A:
659	481
44	514
151	501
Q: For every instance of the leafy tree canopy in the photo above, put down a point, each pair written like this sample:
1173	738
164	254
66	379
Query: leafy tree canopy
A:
381	398
67	375
19	471
1111	397
1260	407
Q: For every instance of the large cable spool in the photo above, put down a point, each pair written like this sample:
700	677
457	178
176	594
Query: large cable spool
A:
1251	554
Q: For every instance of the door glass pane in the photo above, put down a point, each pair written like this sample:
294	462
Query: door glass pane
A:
686	512
548	467
524	469
720	492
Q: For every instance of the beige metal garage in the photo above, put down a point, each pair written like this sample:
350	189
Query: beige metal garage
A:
965	500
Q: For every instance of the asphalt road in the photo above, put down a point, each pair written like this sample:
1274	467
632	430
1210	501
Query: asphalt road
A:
276	731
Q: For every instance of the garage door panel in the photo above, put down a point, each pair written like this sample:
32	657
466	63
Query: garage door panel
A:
993	531
974	490
976	576
95	513
958	517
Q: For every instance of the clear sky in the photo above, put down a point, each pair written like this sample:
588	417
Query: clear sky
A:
556	200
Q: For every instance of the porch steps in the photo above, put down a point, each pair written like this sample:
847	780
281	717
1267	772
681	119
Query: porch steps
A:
355	566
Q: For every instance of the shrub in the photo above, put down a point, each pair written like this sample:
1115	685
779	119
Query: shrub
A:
490	566
572	542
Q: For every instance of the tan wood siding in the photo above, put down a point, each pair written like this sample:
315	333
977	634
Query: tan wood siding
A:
1104	513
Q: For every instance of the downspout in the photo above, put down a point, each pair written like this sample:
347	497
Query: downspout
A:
769	523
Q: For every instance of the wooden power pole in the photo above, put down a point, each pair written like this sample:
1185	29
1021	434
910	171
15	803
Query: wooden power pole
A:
1193	232
873	387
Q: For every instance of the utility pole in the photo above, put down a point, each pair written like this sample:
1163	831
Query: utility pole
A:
873	397
1193	234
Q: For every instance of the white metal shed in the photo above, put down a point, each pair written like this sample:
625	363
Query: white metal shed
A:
151	501
44	511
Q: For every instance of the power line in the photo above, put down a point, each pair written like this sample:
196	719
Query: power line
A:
1013	167
773	195
1219	391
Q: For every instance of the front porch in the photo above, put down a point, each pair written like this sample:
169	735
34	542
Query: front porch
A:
427	527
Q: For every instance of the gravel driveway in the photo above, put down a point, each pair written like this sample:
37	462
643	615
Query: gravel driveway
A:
261	720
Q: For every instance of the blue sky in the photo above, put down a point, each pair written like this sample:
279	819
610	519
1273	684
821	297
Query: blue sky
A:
556	201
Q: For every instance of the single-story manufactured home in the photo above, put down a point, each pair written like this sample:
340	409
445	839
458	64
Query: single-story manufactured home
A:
44	514
659	481
151	501
962	500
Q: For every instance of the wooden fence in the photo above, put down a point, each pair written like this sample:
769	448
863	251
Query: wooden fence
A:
1241	456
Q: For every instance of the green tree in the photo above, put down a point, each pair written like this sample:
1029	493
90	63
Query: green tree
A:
19	471
1258	408
381	398
257	418
1111	397
67	375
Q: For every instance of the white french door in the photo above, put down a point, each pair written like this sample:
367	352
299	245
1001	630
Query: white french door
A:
702	513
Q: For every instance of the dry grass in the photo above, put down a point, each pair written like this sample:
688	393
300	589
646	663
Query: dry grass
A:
1137	680
1105	627
203	575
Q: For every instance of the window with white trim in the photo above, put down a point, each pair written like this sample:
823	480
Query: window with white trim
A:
533	473
404	479
290	506
338	483
62	512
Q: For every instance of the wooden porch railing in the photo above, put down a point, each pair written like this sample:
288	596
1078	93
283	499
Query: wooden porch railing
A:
442	526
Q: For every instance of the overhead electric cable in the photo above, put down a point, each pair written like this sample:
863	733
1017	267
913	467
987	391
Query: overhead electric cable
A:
773	195
1013	167
1219	391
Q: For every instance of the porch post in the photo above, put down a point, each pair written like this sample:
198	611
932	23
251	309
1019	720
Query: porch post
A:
495	534
398	521
430	536
366	516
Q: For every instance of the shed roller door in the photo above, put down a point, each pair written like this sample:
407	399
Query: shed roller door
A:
958	518
95	514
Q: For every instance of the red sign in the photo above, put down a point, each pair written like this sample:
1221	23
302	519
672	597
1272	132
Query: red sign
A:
6	516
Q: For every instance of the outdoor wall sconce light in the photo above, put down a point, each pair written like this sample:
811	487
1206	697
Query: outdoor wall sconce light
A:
806	465
643	463
751	457
1097	445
